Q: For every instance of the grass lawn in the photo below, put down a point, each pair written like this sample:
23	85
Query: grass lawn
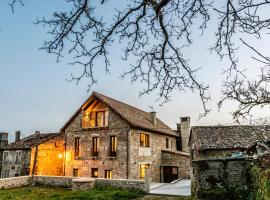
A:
45	193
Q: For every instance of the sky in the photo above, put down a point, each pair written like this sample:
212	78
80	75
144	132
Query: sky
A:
35	93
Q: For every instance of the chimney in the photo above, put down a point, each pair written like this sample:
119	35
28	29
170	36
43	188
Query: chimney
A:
3	139
154	117
185	132
17	136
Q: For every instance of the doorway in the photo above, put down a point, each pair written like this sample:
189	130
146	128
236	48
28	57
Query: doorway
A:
170	173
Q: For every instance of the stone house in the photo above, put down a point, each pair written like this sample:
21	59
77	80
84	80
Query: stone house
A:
221	156
44	151
107	138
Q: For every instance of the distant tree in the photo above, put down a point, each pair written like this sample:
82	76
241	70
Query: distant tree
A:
156	32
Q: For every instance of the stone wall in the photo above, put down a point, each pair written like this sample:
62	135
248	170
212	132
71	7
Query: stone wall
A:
15	182
151	155
178	159
71	182
127	184
54	181
116	127
50	158
220	178
12	167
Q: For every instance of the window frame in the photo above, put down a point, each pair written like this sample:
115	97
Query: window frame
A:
75	172
144	140
93	170
167	143
95	146
108	172
146	166
113	146
76	147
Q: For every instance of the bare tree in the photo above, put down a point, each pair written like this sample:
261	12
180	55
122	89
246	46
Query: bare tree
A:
156	32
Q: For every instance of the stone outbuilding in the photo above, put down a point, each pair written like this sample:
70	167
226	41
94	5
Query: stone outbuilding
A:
221	156
39	154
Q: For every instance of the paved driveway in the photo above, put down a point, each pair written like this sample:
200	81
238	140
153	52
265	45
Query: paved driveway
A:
181	188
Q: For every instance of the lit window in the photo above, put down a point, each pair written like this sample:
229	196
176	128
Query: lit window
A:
95	119
95	146
144	140
108	174
75	172
94	172
143	168
77	147
113	146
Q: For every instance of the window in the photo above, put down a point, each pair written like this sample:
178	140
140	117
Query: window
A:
95	146
18	156
94	172
143	168
167	143
95	119
108	174
75	172
113	146
144	140
77	147
5	157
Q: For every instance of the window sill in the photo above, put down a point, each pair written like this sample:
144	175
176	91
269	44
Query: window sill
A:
112	157
96	128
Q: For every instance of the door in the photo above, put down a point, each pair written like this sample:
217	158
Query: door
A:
170	173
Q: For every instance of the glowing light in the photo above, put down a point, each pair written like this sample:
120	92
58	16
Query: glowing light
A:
60	156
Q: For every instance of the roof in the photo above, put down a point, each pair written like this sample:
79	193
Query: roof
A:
30	141
135	117
228	137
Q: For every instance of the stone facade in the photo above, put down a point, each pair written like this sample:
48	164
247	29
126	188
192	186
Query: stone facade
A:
85	161
151	155
15	163
50	158
220	178
179	159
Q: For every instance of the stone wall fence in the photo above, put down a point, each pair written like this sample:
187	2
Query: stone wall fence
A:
74	183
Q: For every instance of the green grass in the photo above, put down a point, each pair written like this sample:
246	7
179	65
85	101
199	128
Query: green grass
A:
47	193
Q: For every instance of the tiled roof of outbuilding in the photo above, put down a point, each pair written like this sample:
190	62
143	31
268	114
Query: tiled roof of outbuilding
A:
228	137
30	141
135	117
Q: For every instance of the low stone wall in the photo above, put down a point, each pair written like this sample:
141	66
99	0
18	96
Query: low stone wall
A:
54	181
74	183
15	182
127	184
224	178
83	184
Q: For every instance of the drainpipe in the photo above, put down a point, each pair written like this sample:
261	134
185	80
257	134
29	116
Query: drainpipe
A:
65	154
36	154
128	145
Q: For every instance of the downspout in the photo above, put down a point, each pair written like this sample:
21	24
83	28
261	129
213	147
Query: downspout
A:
36	154
65	154
128	156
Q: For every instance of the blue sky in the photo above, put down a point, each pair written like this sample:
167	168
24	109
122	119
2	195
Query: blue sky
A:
36	96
